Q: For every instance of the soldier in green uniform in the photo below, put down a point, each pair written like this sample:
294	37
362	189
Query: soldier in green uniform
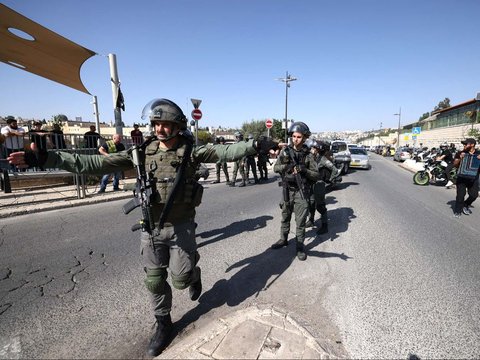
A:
239	165
328	174
262	163
299	171
171	246
221	165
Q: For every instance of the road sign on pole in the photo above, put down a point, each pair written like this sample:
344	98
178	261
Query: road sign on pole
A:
269	123
196	103
197	114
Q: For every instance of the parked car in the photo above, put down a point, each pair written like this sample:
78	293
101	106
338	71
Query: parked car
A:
341	155
402	154
360	158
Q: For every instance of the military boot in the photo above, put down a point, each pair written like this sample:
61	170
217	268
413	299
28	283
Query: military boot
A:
242	184
232	183
162	336
195	288
301	255
215	181
279	244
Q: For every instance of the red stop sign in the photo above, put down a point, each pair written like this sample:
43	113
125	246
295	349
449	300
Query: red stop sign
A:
269	123
196	114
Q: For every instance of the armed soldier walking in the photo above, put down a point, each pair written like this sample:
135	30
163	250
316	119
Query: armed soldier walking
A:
239	164
169	163
298	170
328	173
221	165
250	165
262	163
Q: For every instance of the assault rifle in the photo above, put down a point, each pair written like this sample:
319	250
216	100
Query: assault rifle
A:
296	172
144	189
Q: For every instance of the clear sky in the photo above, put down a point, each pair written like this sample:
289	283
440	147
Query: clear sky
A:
357	61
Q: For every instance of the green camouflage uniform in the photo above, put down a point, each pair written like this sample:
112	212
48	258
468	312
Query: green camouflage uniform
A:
295	204
174	247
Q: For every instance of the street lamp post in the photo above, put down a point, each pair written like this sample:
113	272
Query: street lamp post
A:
398	130
286	80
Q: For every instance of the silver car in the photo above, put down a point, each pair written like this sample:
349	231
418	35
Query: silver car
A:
402	154
360	158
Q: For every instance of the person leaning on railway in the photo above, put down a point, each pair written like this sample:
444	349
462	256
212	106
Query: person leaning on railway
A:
172	246
221	165
296	194
239	165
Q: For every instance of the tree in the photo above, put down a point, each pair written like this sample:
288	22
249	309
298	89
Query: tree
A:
444	104
475	133
204	137
59	119
424	116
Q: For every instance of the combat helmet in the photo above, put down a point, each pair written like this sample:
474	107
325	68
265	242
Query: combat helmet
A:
238	136
299	127
164	110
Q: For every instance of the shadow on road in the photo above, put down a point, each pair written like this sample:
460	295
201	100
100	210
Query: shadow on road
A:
257	273
233	229
341	186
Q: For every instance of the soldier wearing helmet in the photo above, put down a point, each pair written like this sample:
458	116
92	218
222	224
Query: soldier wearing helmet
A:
262	161
298	170
329	173
239	165
250	164
221	165
170	161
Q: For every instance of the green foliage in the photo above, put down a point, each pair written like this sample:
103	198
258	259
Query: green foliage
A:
475	133
444	104
204	137
258	128
424	116
59	119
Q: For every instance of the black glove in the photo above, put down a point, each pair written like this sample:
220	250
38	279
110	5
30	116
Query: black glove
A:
36	158
265	145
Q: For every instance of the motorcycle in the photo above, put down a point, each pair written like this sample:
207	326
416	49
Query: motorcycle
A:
434	173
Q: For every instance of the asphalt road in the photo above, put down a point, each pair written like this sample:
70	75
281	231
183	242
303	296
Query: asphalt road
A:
412	287
396	276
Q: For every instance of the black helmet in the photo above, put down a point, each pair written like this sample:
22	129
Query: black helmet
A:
238	136
221	139
299	127
164	110
323	146
217	140
311	143
443	145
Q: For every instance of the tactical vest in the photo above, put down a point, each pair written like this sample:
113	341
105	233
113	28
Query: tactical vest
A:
163	164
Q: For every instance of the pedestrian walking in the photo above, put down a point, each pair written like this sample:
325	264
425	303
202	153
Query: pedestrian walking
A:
468	163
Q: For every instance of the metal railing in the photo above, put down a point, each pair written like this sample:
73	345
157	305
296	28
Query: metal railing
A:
72	143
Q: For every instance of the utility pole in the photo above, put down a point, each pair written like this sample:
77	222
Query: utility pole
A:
288	78
398	129
112	59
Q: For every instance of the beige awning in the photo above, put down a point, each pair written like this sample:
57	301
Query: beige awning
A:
48	54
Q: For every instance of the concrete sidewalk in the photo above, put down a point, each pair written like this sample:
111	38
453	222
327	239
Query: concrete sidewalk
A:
251	333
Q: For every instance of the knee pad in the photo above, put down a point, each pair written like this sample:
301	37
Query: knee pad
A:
181	282
155	280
